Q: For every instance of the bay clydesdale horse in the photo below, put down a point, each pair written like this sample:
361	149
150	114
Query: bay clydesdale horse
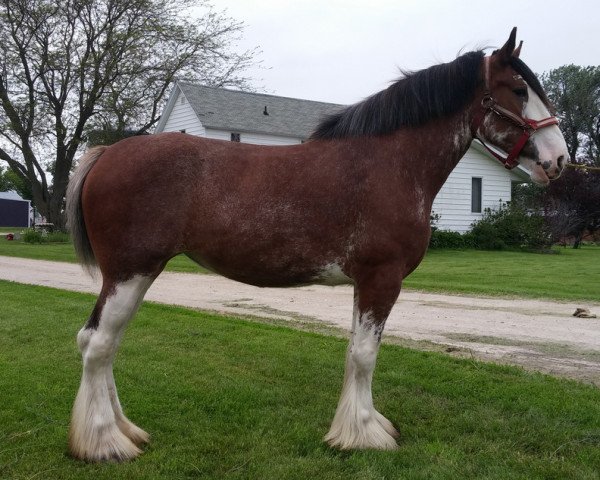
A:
351	205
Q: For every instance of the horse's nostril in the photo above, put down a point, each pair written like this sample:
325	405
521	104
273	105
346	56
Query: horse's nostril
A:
561	161
546	165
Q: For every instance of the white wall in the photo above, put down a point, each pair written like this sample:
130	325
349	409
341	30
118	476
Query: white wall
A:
453	202
255	138
183	117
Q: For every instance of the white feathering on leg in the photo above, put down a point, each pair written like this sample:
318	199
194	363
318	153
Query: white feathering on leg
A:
356	423
99	430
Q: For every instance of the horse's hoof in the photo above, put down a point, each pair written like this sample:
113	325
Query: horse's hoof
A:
376	433
109	446
133	432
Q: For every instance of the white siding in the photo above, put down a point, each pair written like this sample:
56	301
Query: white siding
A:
453	202
183	117
255	138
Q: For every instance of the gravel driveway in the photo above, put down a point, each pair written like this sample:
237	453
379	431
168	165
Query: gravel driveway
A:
541	335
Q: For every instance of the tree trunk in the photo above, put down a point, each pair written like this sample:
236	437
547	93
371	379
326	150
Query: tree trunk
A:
50	205
578	238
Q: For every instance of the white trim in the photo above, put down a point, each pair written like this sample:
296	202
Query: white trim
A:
160	126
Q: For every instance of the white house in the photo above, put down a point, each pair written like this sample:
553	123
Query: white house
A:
479	181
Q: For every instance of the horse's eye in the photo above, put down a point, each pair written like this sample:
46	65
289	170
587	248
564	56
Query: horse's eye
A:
521	92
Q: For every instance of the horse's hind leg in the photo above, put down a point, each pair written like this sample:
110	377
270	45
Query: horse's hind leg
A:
133	432
99	430
356	423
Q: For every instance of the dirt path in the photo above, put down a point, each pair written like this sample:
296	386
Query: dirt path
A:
536	334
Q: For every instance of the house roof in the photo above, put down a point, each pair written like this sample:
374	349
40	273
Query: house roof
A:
238	111
10	195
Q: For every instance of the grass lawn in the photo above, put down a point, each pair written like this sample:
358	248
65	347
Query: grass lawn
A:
235	399
64	252
570	275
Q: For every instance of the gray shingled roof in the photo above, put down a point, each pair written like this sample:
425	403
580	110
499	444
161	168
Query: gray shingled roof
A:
243	111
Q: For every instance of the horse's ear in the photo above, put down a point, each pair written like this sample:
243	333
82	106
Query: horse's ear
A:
507	50
517	51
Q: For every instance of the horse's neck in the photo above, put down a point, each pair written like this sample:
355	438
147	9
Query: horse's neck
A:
432	151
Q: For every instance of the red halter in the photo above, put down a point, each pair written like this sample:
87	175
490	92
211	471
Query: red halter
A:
529	126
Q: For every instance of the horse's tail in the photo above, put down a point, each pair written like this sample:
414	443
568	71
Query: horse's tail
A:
75	220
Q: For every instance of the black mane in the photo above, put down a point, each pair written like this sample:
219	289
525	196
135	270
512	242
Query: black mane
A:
411	101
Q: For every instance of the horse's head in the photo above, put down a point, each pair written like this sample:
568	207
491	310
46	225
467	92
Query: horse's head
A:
513	116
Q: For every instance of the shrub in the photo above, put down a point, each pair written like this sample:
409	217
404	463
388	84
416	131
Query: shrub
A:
448	239
510	226
32	235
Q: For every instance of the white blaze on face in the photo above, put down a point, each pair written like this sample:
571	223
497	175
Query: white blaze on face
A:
548	141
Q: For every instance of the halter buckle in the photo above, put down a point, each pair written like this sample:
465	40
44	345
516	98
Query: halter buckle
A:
488	101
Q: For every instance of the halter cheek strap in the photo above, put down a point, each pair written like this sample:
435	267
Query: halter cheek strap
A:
529	126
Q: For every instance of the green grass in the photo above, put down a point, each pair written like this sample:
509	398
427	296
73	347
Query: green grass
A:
570	275
235	399
64	252
10	229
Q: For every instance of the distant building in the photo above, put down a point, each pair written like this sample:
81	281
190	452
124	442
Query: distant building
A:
14	211
479	181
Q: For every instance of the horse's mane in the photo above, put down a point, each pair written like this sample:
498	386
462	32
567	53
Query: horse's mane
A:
411	101
416	98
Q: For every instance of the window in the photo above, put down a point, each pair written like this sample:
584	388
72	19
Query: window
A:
235	137
476	195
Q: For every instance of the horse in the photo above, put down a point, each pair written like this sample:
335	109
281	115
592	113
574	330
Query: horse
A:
350	205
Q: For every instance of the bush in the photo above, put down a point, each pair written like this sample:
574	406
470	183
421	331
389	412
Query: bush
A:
31	235
448	239
510	226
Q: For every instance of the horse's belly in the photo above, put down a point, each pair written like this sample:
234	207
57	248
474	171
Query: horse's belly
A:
273	275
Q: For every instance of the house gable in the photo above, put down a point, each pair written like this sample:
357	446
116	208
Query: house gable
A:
180	116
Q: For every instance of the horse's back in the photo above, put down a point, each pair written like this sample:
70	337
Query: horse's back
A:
263	215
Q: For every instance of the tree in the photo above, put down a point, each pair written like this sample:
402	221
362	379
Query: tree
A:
10	181
575	93
5	184
68	67
572	203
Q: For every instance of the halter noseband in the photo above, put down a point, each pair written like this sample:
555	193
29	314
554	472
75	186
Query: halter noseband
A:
529	126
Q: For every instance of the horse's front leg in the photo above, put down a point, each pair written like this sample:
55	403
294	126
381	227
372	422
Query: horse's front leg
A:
356	423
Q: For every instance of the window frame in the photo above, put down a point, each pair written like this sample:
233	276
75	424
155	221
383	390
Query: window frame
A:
474	204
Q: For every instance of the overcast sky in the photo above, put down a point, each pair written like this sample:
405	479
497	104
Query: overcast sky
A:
344	50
